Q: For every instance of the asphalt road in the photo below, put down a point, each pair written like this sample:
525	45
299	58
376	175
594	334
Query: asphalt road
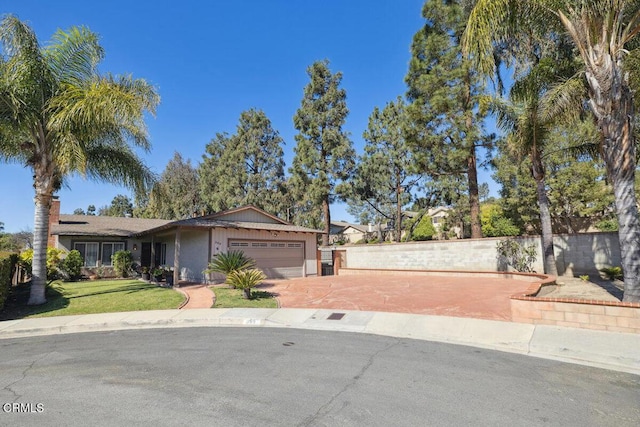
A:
267	376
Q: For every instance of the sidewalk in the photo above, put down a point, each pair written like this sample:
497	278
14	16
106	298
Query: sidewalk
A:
609	350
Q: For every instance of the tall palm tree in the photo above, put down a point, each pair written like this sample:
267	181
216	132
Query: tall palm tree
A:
59	116
605	35
528	122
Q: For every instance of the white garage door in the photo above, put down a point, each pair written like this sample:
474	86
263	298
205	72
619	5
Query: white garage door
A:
277	259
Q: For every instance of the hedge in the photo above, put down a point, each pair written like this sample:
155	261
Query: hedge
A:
7	265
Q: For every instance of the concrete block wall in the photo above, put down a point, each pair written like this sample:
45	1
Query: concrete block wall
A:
575	254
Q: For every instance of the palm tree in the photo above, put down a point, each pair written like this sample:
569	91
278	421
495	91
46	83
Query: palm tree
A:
528	123
59	116
605	35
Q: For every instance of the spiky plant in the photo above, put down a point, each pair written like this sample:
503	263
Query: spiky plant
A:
226	262
245	280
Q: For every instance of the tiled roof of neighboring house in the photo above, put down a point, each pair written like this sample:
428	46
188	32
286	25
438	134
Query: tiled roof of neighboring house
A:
208	223
90	225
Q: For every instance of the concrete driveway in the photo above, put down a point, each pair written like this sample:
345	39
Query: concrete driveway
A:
479	297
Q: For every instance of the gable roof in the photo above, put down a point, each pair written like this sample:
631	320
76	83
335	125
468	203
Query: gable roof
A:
95	225
222	214
339	226
101	226
203	222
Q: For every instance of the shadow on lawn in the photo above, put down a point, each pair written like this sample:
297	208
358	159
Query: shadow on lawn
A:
125	289
16	307
258	295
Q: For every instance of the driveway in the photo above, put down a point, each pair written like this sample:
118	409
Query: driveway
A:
479	297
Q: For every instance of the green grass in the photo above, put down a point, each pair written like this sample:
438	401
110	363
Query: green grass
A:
232	298
86	297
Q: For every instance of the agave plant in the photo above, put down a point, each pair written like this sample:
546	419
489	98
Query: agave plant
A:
245	280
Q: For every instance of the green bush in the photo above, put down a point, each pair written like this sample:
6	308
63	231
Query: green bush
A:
122	261
72	265
245	280
7	265
607	225
54	262
613	273
424	230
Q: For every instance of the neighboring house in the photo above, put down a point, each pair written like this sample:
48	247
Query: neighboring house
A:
345	232
280	249
438	217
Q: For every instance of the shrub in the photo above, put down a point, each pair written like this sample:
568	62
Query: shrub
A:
612	273
122	261
520	257
54	262
72	265
245	280
424	230
7	265
607	225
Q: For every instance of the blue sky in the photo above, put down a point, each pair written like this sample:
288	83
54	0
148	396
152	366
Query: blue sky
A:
210	60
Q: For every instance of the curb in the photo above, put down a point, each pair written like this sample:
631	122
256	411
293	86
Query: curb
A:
186	299
609	350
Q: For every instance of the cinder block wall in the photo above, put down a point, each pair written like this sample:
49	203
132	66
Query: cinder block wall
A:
575	254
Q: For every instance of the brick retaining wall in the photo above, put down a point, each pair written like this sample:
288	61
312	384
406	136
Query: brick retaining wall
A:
599	315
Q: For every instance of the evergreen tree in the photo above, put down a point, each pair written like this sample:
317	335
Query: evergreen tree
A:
175	196
324	155
245	168
385	174
120	206
444	89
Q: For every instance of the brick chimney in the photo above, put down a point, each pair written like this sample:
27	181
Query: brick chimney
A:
54	218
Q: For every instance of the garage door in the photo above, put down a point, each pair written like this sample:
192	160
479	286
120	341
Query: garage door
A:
277	259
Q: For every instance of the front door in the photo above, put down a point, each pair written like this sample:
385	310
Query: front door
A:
145	255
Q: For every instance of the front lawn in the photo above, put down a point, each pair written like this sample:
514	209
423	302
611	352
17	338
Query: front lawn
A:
232	298
87	297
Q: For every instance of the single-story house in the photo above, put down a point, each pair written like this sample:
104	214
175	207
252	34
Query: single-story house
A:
280	249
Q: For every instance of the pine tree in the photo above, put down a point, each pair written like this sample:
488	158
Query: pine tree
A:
324	155
386	173
175	196
444	89
245	168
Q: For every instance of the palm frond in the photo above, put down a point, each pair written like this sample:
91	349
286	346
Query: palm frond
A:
565	100
74	55
118	165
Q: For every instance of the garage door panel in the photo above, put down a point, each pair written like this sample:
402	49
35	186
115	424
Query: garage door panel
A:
276	259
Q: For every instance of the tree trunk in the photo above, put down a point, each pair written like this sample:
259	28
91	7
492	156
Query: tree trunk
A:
537	170
474	199
246	293
40	238
327	221
398	214
612	103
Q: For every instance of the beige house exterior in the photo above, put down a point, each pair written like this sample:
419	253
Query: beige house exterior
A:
280	249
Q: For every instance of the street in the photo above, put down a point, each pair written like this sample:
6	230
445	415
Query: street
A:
269	376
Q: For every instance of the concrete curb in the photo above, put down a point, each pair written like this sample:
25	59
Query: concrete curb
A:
608	350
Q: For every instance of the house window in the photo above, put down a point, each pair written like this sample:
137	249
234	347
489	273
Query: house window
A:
89	253
108	249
